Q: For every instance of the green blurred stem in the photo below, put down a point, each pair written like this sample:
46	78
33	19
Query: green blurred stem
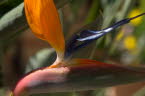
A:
110	12
121	14
125	8
93	12
12	22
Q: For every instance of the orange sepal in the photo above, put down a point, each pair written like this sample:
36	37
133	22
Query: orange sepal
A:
88	62
43	19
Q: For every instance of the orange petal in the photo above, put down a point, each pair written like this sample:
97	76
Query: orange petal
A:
44	21
88	62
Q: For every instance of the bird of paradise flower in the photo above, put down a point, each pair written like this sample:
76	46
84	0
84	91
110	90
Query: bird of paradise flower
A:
67	74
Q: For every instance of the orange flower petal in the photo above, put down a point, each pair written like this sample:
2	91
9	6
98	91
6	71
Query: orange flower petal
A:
88	62
44	21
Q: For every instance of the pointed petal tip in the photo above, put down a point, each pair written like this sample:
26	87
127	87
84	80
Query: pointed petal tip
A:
43	19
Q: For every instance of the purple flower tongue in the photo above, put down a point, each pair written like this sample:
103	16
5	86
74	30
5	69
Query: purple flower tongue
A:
87	35
93	35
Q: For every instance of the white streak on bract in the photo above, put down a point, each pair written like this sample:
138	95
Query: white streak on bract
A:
98	33
108	29
90	37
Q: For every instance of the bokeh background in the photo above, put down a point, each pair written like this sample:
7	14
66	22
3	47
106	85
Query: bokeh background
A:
21	51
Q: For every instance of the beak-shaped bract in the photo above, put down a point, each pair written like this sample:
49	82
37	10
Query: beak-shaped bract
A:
81	74
43	19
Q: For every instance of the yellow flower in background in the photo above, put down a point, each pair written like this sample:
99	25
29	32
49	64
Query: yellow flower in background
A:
120	35
133	13
130	43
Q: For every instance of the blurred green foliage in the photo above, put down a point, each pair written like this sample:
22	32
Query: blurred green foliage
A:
7	5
